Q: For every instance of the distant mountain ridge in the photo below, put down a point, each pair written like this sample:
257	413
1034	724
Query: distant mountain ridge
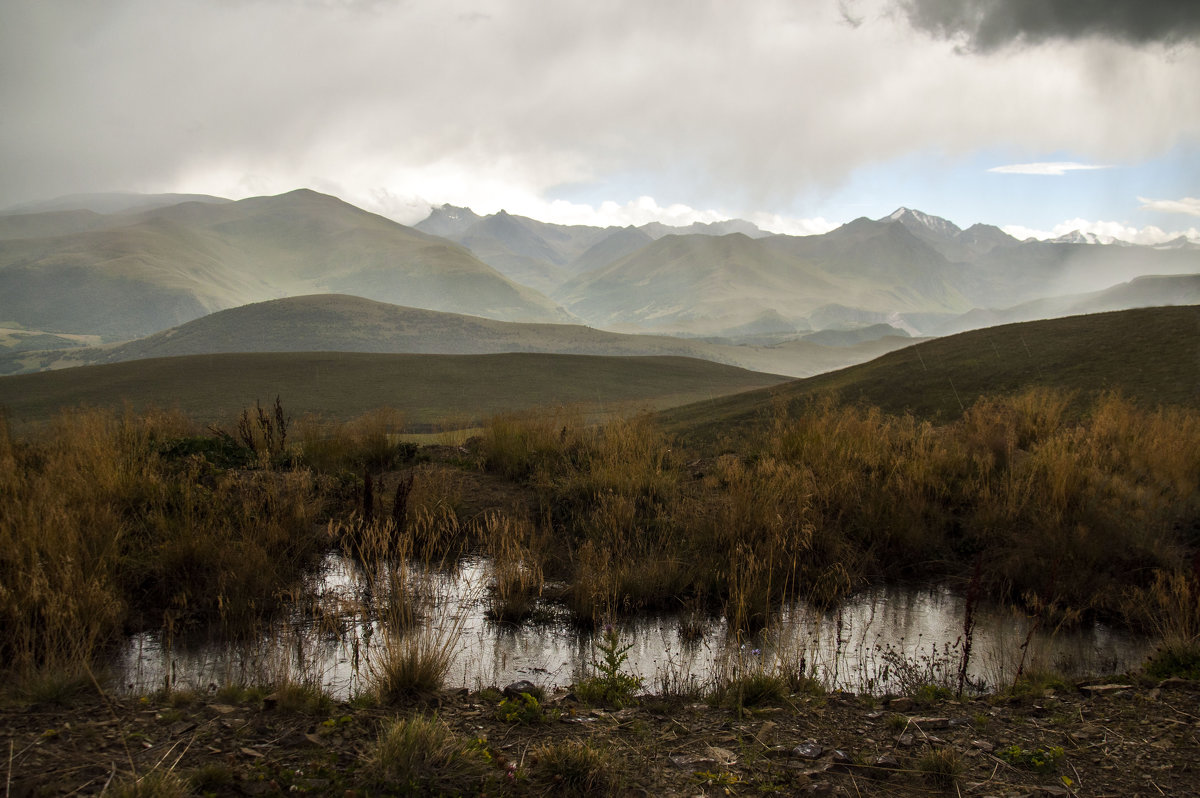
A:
909	269
126	275
125	266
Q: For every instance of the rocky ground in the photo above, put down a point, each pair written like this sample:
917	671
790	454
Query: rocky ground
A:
1140	739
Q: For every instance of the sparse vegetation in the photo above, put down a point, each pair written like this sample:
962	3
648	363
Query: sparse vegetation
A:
574	767
422	756
941	766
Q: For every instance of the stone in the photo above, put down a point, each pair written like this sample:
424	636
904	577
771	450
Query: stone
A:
1104	689
722	756
930	723
902	704
808	750
516	688
905	741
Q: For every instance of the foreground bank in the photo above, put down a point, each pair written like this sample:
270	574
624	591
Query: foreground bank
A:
1117	736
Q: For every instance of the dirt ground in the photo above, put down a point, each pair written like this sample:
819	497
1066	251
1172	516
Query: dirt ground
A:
1132	740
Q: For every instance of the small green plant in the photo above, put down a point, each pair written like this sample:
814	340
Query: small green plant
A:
721	778
896	723
932	694
941	766
522	708
1039	760
611	686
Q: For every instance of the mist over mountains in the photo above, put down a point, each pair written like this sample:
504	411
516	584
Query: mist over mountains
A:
116	267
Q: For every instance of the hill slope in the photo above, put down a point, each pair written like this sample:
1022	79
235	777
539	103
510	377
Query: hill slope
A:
1151	355
338	323
127	275
427	389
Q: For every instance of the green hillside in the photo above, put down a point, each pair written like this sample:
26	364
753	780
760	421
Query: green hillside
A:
427	389
1151	355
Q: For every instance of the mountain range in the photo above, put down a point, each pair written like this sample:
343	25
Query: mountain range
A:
133	273
111	268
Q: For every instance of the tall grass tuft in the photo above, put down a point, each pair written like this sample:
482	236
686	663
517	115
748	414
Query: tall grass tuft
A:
1171	608
516	571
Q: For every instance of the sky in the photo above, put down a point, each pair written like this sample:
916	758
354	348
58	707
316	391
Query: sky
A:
1039	116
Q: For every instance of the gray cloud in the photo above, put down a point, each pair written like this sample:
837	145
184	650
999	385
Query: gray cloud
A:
991	24
721	105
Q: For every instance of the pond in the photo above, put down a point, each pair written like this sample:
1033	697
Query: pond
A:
880	640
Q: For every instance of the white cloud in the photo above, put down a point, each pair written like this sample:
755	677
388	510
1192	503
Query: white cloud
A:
1188	205
1105	231
1054	168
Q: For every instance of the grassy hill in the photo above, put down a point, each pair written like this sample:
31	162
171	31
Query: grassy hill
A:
1151	355
428	390
129	275
339	323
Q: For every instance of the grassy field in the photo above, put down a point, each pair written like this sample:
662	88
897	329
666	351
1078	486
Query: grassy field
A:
1150	355
427	390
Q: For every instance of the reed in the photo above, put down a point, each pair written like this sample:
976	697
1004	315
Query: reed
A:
108	524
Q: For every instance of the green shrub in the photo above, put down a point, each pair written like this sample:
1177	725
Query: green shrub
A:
610	686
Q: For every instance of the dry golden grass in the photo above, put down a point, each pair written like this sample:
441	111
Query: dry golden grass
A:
1064	510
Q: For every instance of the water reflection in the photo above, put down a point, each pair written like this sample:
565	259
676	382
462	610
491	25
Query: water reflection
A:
875	642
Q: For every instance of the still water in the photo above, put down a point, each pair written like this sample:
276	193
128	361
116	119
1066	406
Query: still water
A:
878	641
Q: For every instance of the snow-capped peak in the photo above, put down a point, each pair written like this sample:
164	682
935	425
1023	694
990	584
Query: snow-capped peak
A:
1080	237
917	221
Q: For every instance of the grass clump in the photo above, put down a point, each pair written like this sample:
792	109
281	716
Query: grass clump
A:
757	689
411	665
302	698
572	767
157	783
941	766
422	756
1170	606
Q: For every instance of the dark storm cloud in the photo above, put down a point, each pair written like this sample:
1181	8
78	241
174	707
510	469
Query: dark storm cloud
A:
992	24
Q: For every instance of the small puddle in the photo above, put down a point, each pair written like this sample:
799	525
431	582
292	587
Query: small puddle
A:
881	640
